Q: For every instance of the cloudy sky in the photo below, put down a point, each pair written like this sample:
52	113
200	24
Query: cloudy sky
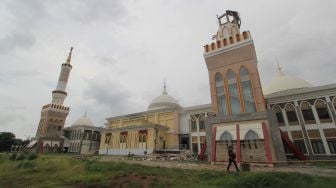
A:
124	49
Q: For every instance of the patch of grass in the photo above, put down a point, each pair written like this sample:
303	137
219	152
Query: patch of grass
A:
64	171
326	164
20	157
13	156
32	156
26	164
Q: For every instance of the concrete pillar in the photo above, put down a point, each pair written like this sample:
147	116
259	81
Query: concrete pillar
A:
332	111
238	149
198	136
318	123
304	131
267	143
284	115
190	136
275	138
213	145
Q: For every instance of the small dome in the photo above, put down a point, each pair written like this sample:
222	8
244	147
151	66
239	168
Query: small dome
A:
83	121
283	82
163	101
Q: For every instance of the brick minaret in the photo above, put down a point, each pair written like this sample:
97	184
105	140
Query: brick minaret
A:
232	64
53	115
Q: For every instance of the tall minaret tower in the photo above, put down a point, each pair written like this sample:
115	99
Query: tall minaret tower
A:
232	64
59	94
53	115
236	96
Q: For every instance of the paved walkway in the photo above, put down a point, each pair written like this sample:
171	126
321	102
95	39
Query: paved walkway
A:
199	166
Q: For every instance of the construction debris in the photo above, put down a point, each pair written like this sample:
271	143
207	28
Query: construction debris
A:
166	156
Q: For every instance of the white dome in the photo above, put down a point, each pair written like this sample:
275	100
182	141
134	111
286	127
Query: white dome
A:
163	101
83	121
283	82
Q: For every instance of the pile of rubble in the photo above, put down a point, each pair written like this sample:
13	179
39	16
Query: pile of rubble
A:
167	156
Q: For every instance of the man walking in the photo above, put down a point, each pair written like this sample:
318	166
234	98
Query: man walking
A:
232	158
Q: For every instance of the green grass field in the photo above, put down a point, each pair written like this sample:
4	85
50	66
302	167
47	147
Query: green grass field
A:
64	171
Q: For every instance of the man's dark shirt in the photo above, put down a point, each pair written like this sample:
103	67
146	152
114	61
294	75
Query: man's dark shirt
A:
232	154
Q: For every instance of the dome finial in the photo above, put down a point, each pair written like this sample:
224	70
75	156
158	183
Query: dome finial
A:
85	113
164	87
280	72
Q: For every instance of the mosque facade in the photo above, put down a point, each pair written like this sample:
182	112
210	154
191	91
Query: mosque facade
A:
305	114
289	118
82	137
144	132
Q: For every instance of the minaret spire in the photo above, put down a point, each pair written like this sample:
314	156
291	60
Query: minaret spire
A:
69	56
59	94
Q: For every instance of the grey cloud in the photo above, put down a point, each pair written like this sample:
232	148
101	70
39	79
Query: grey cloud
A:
26	73
23	15
87	11
106	61
110	94
19	19
8	118
16	40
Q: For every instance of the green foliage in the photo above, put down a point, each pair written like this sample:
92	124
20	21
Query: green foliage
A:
13	156
32	156
7	139
21	157
26	165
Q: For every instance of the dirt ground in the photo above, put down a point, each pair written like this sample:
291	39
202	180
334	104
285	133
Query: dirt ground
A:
311	170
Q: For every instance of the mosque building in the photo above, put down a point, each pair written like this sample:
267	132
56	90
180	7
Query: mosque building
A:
289	118
144	132
306	114
82	137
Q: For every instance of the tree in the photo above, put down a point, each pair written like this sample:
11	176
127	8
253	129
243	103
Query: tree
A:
7	139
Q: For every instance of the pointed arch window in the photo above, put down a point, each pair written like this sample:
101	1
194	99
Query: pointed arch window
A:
226	137
307	113
221	95
251	138
278	114
246	86
108	138
201	122
322	111
193	123
142	135
123	137
291	114
233	92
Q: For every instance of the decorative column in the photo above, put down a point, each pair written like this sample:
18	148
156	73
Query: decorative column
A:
284	115
331	109
238	150
213	150
267	143
323	138
304	131
198	134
